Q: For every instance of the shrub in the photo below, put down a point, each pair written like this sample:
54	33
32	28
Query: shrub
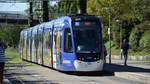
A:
138	38
145	41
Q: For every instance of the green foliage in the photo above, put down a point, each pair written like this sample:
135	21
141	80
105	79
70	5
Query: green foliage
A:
134	39
53	10
10	34
128	12
116	34
142	9
105	34
64	7
145	41
12	55
138	39
121	10
107	44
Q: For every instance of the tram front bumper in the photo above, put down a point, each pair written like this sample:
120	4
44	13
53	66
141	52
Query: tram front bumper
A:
88	66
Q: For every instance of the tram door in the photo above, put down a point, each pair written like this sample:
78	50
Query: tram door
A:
57	37
21	45
47	59
25	46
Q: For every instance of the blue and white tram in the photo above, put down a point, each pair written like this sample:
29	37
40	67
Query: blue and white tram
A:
70	43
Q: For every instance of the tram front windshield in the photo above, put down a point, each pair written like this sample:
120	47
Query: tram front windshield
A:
87	36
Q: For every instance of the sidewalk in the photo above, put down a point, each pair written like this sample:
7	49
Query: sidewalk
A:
134	71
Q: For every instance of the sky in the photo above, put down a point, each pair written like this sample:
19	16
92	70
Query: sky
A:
13	7
20	7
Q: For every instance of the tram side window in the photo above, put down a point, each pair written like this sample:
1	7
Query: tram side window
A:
67	41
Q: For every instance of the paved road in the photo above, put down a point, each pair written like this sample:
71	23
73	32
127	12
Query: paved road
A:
35	74
17	74
136	70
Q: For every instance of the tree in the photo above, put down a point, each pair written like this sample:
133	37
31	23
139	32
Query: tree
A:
121	10
142	9
139	38
68	6
10	34
45	11
83	6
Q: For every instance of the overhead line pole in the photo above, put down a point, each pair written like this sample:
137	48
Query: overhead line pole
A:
110	33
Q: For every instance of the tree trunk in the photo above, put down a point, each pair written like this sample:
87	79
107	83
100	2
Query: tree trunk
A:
45	11
83	6
31	14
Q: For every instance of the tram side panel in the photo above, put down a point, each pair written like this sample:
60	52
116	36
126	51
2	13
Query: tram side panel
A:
57	55
25	46
21	45
39	54
55	61
37	47
33	46
67	56
47	36
28	45
31	39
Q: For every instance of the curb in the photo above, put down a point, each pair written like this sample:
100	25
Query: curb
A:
142	76
133	76
134	58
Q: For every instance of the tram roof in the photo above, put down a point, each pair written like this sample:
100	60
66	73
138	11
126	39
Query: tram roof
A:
83	16
61	21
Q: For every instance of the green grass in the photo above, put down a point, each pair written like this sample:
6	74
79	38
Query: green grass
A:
131	53
141	53
12	56
115	51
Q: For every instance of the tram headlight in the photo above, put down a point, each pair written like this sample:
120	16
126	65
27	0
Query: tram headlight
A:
79	62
